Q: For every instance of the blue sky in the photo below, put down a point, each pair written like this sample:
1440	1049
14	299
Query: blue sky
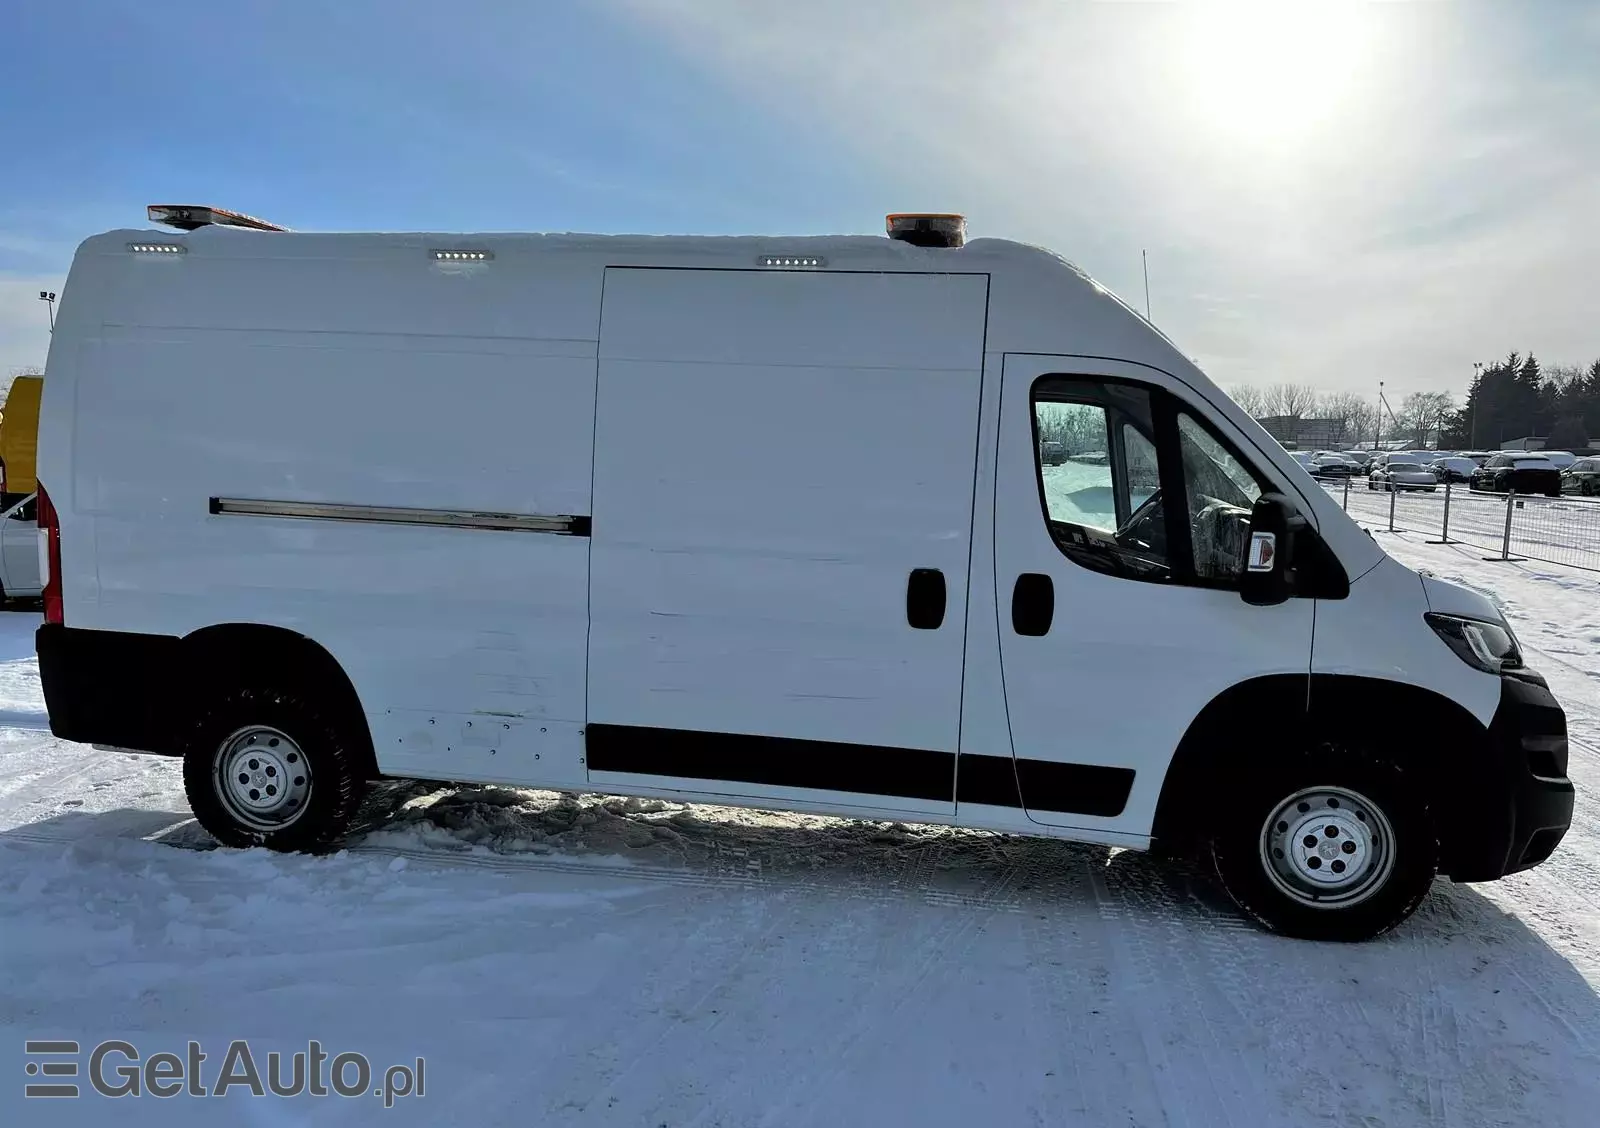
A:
1330	193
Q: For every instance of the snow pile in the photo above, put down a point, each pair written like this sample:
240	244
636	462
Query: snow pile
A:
657	834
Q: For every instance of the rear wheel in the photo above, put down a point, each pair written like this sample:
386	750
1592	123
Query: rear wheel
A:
265	767
1334	848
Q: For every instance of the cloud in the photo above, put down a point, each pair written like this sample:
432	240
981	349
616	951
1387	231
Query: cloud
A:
1329	194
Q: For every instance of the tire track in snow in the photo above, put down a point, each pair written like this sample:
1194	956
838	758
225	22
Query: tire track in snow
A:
1179	948
24	790
945	946
1430	1006
828	1036
1116	1088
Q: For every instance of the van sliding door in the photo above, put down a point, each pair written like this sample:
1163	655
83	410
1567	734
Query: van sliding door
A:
782	514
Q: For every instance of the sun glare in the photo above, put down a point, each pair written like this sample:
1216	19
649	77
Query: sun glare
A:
1261	70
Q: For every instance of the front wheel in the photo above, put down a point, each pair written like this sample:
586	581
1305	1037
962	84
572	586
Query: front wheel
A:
1334	849
265	767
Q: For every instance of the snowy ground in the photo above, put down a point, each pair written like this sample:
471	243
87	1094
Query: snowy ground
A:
558	960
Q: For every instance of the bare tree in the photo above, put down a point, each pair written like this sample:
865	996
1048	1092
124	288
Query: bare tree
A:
1250	398
1358	417
1293	400
1564	376
1421	415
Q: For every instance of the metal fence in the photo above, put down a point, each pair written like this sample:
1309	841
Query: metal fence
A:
1556	530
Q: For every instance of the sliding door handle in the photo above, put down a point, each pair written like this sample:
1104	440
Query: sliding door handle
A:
925	599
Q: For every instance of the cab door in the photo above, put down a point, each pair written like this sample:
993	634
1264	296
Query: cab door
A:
1117	576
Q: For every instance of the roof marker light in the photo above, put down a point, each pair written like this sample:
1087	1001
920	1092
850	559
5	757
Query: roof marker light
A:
462	256
188	217
792	262
158	248
927	229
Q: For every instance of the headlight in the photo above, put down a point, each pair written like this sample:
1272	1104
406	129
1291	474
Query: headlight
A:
1490	647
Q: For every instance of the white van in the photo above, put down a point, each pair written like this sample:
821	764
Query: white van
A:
320	508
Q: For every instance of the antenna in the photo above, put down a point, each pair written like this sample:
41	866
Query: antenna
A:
1144	257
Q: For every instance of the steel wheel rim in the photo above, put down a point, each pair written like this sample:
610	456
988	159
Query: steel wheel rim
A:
262	777
1327	847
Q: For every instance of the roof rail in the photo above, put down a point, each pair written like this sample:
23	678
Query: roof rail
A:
187	217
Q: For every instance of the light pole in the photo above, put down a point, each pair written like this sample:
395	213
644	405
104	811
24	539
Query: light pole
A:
48	297
1472	404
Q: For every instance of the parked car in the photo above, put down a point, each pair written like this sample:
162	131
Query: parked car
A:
1560	459
1325	465
411	609
1399	473
19	551
1582	477
1455	468
1052	453
1524	472
1479	457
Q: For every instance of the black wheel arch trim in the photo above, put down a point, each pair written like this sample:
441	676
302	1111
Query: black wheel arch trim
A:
1481	772
135	690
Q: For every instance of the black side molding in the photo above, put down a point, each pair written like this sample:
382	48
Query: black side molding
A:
772	761
861	769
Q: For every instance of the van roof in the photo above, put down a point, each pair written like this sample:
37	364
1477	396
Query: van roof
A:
878	251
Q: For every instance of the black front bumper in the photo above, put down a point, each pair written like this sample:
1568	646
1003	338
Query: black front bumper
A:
1515	812
109	687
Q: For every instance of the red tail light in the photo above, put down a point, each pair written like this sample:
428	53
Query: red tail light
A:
50	530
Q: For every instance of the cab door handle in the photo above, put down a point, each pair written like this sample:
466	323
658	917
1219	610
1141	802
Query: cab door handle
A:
1033	604
925	599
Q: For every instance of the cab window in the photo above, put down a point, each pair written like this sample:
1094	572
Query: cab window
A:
1142	488
1101	500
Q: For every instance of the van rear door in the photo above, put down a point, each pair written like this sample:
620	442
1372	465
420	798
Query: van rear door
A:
778	579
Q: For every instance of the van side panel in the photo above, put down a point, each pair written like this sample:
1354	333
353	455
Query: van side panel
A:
776	453
466	646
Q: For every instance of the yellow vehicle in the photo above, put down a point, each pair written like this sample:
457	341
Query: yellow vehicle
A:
19	440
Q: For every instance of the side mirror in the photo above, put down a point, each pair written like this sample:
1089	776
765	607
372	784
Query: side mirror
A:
1274	522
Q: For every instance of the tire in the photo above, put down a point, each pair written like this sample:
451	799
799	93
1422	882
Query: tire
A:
1344	792
267	734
